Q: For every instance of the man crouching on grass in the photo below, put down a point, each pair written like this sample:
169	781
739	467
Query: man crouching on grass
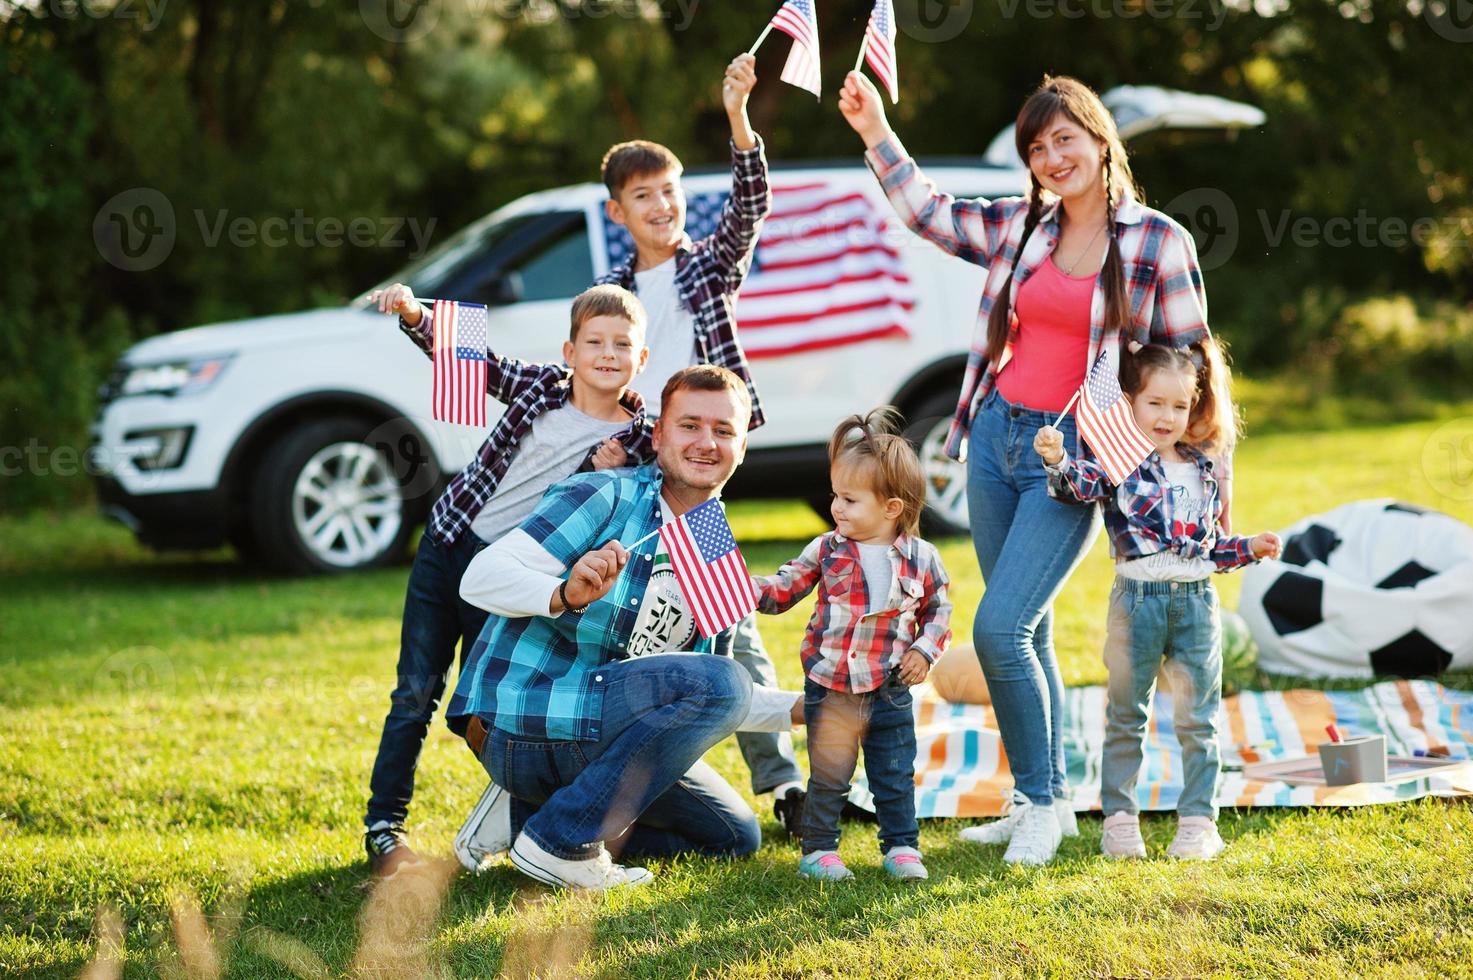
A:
589	696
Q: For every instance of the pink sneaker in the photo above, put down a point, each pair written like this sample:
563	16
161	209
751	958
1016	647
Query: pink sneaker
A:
824	865
1196	839
1122	836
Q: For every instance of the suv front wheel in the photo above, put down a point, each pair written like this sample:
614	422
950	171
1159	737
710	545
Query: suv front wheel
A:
324	499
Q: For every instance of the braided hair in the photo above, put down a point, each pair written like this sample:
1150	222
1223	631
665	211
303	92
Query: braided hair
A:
1061	95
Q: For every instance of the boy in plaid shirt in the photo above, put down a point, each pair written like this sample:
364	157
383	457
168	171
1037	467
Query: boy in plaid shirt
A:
690	290
880	623
560	418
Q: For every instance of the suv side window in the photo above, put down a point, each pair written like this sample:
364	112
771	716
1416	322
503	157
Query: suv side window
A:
557	265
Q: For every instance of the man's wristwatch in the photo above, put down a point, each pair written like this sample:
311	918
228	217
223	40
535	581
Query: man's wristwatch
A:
562	593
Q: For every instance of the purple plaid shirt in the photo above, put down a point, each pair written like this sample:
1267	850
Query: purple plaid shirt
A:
1168	303
1138	513
847	647
709	272
527	389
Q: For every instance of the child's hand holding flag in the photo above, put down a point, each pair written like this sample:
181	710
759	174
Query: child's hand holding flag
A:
399	300
859	101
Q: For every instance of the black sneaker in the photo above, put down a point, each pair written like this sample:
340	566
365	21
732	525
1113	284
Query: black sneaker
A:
387	851
789	810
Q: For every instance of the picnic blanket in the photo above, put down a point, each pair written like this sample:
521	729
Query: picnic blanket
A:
962	771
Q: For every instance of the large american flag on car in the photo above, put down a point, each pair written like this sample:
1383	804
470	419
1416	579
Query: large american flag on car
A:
825	273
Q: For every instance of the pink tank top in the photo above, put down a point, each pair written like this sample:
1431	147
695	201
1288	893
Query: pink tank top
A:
1049	354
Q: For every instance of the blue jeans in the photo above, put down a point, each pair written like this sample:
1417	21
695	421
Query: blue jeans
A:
1027	545
641	788
1150	621
839	724
435	617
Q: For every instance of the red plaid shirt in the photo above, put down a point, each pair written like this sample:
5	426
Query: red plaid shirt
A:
848	647
1168	302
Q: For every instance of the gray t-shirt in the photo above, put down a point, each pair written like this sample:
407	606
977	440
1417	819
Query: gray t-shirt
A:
875	560
547	454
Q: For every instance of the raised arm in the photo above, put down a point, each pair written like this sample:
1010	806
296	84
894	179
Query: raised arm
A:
781	591
505	376
735	237
973	229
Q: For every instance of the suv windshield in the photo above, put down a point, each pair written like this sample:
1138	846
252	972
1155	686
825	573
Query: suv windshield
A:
537	256
453	257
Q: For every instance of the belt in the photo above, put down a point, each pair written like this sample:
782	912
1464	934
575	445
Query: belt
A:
475	734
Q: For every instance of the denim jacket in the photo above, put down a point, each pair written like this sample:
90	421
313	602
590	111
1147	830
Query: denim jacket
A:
1138	513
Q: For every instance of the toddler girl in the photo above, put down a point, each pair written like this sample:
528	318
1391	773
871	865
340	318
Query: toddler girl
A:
880	622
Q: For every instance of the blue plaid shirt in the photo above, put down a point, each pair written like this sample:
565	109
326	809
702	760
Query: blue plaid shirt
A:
537	676
709	272
1138	513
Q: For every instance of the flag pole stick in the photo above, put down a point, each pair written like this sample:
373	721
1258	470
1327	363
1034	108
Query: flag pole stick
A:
859	62
1068	406
631	547
760	38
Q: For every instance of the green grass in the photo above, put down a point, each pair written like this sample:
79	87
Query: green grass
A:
181	729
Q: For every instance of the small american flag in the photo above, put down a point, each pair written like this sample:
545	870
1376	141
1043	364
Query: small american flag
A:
797	20
460	362
1107	423
709	567
879	47
825	274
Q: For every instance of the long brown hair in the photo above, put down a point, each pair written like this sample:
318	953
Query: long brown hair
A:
1215	424
1062	95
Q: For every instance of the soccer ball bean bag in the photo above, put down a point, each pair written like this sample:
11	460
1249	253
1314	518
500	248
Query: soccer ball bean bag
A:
1376	587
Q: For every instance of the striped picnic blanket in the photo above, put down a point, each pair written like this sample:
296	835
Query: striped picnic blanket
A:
962	771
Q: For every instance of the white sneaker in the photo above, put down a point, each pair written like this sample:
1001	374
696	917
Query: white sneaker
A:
598	873
1036	838
1122	836
1196	839
1068	823
486	833
1001	831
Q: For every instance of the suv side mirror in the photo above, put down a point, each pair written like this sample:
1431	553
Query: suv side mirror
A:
505	289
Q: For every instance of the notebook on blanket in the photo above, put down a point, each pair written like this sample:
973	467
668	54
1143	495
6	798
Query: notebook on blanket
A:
962	771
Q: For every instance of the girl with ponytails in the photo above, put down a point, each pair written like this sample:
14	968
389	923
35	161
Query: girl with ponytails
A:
1077	268
1167	540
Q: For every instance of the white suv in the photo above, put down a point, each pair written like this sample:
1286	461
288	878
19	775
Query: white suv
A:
306	441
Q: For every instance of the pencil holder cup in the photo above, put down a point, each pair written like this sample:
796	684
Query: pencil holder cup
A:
1361	759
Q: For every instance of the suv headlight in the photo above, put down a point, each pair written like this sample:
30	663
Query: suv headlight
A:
173	378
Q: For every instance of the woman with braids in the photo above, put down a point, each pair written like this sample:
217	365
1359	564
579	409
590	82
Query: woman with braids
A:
1076	269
